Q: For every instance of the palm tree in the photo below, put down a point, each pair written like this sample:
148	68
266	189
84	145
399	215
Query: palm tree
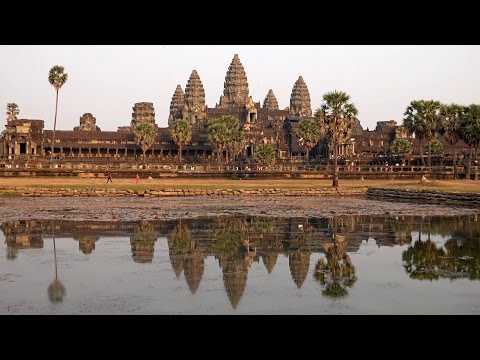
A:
225	133
470	124
56	290
181	132
57	78
336	116
145	134
12	111
450	128
309	133
422	118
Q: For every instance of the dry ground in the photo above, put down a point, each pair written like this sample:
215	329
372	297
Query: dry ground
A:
193	183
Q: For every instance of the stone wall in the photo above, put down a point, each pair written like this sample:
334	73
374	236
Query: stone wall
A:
430	196
164	192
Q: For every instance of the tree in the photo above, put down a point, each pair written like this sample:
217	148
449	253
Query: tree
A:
145	134
181	133
470	124
225	134
236	142
336	119
56	290
57	78
12	111
401	147
308	133
265	153
422	118
450	128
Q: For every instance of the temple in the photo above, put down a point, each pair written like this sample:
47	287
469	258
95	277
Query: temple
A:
27	141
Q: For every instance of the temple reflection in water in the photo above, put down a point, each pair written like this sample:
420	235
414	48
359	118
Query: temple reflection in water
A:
237	242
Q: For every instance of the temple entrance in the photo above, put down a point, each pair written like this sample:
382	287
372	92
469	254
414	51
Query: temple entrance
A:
249	151
23	148
252	117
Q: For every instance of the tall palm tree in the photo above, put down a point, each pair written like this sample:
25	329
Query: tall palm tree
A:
422	118
56	290
57	78
145	134
181	133
309	133
470	123
336	117
450	118
12	111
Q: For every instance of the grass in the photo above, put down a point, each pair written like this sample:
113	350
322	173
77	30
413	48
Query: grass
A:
7	184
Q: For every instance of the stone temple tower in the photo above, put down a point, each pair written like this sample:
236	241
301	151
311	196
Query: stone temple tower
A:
270	101
300	99
176	105
235	92
194	100
143	111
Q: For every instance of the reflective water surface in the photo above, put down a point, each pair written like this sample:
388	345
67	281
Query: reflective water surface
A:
242	265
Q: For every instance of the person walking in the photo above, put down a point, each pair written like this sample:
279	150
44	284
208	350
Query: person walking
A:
109	178
137	178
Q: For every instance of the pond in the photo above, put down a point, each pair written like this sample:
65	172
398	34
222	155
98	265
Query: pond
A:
348	264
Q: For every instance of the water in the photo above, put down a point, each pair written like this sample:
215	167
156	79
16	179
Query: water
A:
242	265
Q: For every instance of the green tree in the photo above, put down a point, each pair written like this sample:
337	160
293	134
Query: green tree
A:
265	154
436	147
336	116
235	143
225	134
145	134
422	118
450	128
401	147
308	133
57	78
12	111
181	132
470	134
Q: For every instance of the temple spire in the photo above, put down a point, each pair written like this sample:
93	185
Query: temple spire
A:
300	99
194	99
270	101
176	105
235	92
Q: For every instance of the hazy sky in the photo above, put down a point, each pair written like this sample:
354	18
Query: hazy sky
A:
107	80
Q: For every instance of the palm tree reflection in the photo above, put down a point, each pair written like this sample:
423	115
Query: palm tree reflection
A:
56	290
335	272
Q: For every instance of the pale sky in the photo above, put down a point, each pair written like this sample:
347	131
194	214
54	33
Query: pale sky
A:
107	80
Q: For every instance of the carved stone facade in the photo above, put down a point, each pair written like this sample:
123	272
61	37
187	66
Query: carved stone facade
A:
143	111
235	92
176	105
270	101
300	99
87	123
194	109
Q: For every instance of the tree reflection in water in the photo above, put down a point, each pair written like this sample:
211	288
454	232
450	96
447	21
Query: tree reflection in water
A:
335	272
56	290
458	258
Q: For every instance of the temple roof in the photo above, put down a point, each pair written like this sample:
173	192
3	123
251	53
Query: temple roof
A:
270	101
235	90
194	92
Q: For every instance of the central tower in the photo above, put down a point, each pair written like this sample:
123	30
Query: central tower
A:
235	92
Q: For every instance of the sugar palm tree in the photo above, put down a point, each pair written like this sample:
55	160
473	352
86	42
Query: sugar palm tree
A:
450	128
145	134
336	117
470	124
422	118
309	133
12	111
57	78
181	133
